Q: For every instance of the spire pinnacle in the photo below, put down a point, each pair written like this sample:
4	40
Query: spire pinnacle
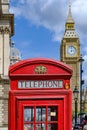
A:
69	25
70	4
69	19
70	8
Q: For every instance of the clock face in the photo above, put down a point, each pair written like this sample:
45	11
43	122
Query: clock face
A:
71	50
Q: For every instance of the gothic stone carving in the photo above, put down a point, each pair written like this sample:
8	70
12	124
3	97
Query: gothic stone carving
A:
4	30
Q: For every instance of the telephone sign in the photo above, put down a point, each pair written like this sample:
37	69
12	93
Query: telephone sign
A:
40	97
40	84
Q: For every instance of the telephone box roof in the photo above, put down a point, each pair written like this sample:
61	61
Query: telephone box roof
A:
27	66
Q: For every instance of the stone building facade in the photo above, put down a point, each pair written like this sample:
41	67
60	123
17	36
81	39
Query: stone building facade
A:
6	32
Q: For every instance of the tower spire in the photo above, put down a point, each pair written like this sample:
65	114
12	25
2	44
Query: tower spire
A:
70	7
69	4
69	19
69	25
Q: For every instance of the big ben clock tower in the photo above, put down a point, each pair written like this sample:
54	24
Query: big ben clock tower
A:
70	50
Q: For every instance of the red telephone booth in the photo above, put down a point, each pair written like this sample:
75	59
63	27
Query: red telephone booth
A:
40	97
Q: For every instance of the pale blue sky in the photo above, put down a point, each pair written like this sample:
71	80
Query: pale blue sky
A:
40	25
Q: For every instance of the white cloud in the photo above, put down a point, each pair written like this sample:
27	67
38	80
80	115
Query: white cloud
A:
79	10
16	11
52	14
47	13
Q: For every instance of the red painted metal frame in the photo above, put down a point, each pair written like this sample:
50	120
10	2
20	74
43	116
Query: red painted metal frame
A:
66	109
24	70
46	103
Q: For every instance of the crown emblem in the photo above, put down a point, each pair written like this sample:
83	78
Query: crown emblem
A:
40	69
